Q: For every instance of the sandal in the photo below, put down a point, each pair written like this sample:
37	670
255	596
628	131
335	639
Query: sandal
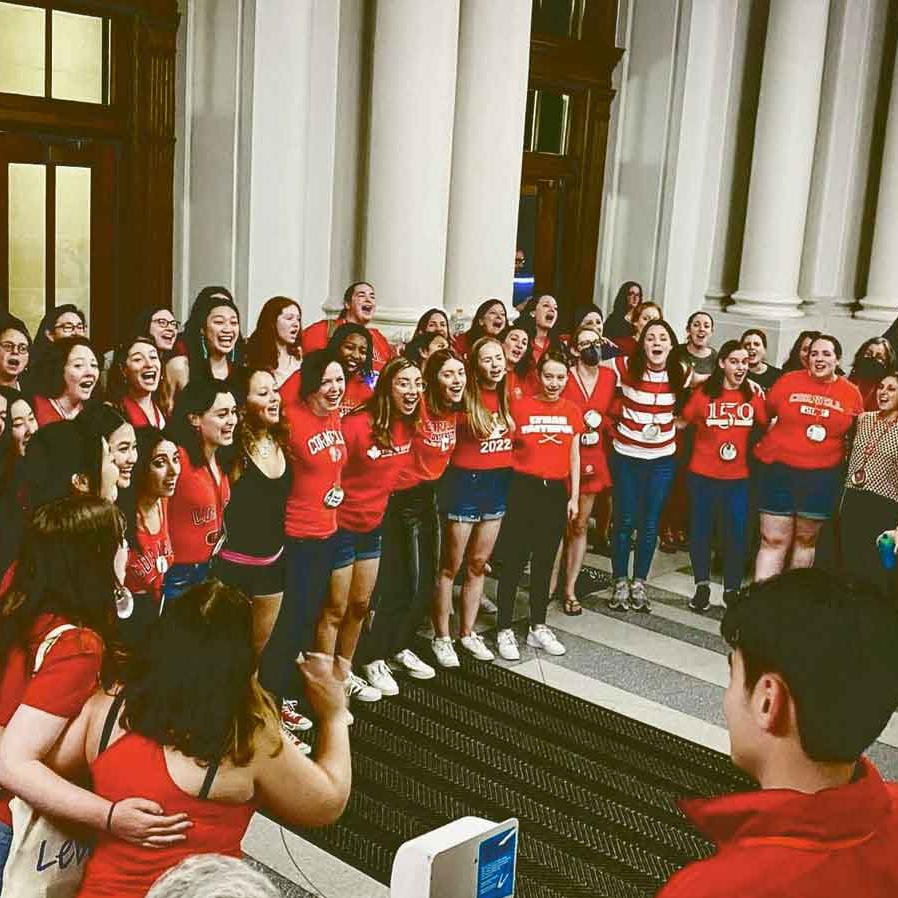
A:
571	606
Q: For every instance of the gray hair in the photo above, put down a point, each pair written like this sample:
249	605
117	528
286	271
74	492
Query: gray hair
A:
212	876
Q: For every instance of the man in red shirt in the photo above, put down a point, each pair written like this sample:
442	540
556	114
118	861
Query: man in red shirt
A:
813	682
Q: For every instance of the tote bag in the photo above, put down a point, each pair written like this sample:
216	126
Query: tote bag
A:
46	857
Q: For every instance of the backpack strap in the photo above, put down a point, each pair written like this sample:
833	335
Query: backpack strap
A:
109	723
207	781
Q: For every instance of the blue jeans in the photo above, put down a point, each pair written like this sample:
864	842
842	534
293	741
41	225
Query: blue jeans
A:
726	500
5	842
179	578
640	490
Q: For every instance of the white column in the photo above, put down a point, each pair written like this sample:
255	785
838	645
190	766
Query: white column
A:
785	132
410	156
842	163
881	301
490	104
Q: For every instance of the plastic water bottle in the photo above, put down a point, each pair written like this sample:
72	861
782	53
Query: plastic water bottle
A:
885	543
457	322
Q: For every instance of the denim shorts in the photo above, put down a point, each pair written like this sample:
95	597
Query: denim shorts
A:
352	547
180	577
788	491
5	844
470	497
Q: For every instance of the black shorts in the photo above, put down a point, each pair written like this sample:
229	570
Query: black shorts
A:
250	579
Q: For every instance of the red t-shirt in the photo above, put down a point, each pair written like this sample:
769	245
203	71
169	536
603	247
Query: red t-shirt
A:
811	420
45	412
476	454
371	472
357	392
317	335
68	677
150	559
722	429
318	454
432	446
594	474
543	435
196	512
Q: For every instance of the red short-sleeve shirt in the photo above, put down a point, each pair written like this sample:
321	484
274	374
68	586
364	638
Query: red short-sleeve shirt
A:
316	336
483	454
432	446
811	420
196	511
543	435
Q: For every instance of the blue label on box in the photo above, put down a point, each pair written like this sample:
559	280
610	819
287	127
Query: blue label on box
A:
495	865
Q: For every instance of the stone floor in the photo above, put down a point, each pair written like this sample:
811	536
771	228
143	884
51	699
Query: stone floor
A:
668	669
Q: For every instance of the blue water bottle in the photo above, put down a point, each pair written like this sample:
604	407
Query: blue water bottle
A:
885	543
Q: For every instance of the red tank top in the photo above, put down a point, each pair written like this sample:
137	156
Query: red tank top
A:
134	765
196	512
150	559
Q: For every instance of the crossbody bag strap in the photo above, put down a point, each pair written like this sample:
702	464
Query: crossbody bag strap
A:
48	642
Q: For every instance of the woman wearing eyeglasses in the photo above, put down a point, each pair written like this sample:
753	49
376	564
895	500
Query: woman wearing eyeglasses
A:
15	350
162	326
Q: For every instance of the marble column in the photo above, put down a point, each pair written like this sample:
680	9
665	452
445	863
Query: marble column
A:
490	105
410	156
785	133
881	301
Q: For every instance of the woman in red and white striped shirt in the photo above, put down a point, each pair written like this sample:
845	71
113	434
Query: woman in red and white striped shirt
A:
651	383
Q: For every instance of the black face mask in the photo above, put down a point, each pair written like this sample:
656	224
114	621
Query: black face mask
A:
590	355
870	369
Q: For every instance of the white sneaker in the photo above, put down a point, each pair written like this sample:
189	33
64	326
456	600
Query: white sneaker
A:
487	605
444	651
350	720
381	677
414	666
477	647
290	736
541	637
356	687
507	643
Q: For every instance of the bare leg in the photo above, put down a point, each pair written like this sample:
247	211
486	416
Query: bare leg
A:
334	610
364	576
265	613
777	532
575	543
483	538
452	552
806	533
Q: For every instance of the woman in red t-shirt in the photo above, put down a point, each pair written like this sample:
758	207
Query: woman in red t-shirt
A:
150	552
134	382
473	496
199	736
518	360
724	410
351	345
802	456
378	443
411	529
546	459
64	380
317	454
58	616
591	388
359	306
204	421
489	320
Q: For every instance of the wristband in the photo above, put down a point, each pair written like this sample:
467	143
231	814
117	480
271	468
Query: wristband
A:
109	817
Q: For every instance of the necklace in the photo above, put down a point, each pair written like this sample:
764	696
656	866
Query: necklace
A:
264	447
858	477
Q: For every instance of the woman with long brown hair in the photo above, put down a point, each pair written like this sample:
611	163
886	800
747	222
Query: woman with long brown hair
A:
276	343
133	382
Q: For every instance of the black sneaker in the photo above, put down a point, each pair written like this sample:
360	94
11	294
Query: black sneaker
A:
701	601
731	596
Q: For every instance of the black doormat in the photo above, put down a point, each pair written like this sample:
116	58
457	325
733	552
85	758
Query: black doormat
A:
594	791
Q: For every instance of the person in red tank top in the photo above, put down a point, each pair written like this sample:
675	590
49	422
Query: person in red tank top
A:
351	345
591	388
724	412
133	382
213	756
378	442
472	500
204	420
359	307
317	455
150	552
407	571
70	564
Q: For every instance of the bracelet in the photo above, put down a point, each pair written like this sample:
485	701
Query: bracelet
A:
109	817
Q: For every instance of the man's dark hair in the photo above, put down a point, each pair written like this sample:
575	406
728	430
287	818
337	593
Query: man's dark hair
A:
834	641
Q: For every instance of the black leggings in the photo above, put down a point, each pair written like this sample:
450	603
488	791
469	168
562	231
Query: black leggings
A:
407	573
532	530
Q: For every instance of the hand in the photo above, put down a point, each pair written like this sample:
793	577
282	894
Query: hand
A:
142	822
324	688
573	508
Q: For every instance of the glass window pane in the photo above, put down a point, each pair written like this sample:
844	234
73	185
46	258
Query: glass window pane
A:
77	57
22	49
548	122
27	242
560	18
73	236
